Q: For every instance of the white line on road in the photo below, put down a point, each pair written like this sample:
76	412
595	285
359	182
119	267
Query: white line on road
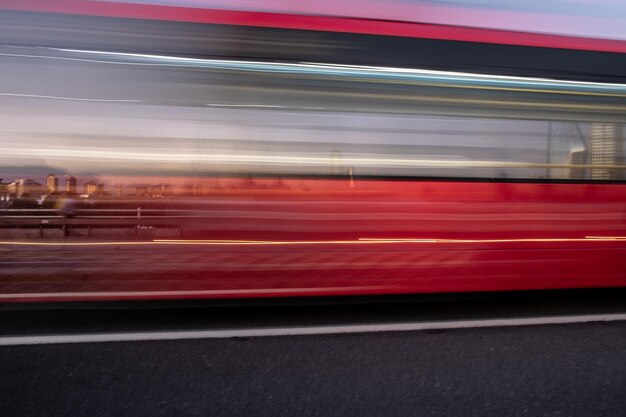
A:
300	331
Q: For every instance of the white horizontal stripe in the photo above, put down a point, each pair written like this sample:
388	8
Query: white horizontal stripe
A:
247	105
283	159
299	331
264	106
155	59
125	294
360	241
424	75
71	98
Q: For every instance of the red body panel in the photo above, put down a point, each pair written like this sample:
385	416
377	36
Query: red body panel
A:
307	239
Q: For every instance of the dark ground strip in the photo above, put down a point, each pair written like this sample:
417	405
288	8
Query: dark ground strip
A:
103	317
565	370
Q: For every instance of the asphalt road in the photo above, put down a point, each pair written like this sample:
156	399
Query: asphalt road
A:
569	370
545	370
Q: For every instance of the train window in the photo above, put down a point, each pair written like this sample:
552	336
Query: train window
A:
166	117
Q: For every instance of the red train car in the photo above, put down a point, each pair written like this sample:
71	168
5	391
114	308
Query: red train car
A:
264	154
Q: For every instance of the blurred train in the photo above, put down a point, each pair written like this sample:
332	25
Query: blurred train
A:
261	152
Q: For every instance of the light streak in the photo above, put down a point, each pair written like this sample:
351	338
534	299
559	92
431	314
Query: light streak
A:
247	105
411	240
304	64
284	159
263	106
360	241
135	294
71	98
416	76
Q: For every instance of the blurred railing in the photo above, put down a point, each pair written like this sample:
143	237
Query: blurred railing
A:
88	222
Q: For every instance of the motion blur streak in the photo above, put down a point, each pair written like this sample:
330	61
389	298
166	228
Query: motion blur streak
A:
159	294
549	25
291	159
69	98
361	241
200	156
408	75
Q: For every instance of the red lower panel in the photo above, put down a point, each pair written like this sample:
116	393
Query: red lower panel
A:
323	237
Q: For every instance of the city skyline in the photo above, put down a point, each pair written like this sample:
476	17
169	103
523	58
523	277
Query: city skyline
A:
65	184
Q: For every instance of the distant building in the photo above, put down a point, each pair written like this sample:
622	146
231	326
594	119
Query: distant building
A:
160	189
4	190
100	189
119	190
90	187
25	187
141	190
192	189
606	150
566	150
336	166
70	184
52	183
